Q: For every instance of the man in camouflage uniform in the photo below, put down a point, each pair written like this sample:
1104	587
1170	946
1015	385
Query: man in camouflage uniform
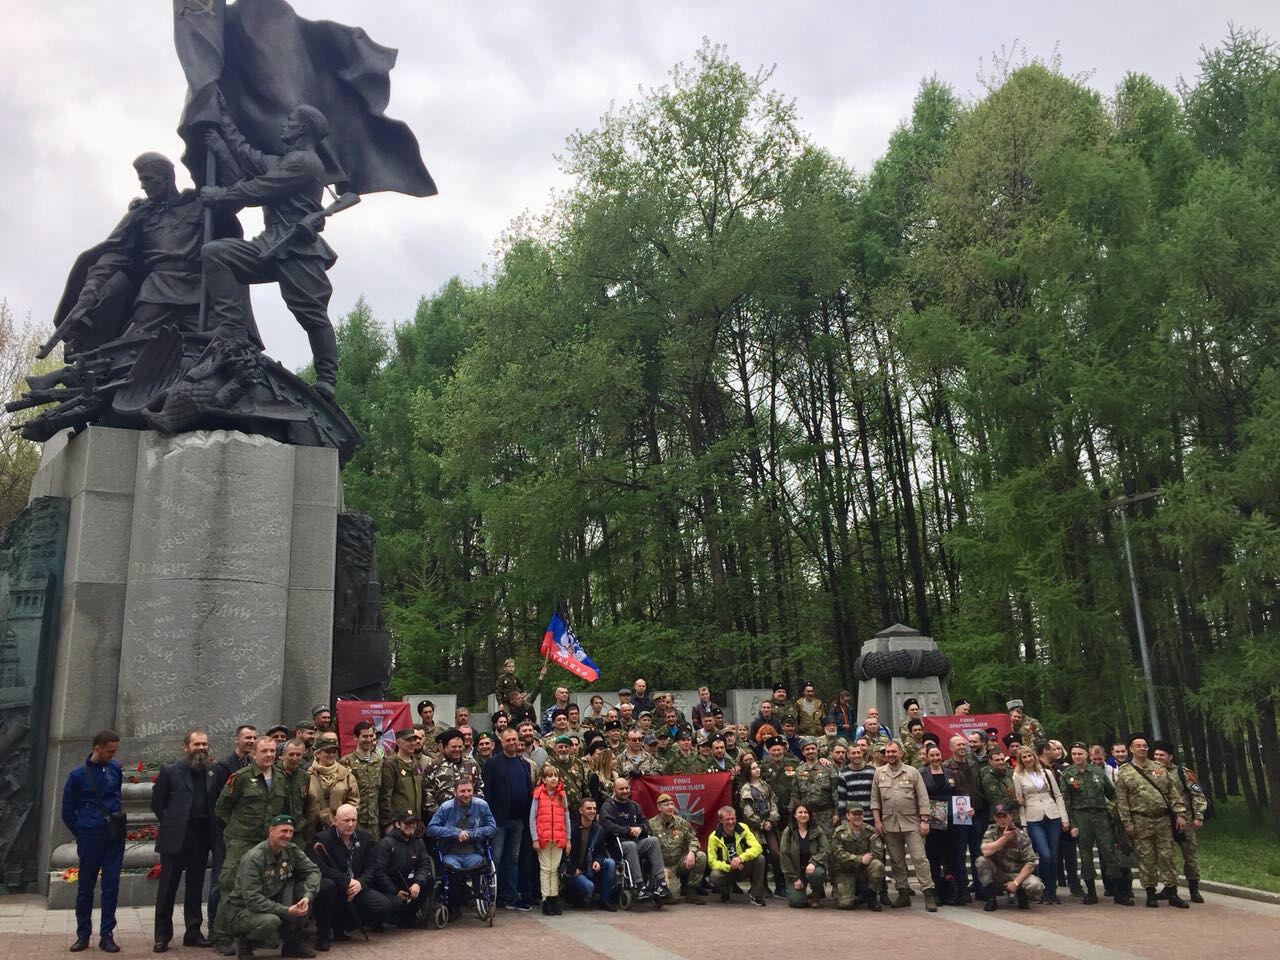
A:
874	734
782	707
997	782
685	759
365	764
401	786
1008	861
815	787
635	760
431	729
913	745
808	710
912	707
276	883
573	772
1146	798
1186	786
1086	789
507	682
829	737
778	769
443	773
251	798
293	774
857	861
1025	726
682	857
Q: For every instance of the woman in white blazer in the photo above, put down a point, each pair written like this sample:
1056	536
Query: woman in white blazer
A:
1043	814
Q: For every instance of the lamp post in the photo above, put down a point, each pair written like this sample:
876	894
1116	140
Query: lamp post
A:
1124	503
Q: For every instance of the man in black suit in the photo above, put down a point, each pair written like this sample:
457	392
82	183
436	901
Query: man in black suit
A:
182	800
346	898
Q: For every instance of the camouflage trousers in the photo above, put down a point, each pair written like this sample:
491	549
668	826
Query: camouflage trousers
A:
1188	844
991	875
1153	847
220	931
678	876
850	881
1095	831
267	929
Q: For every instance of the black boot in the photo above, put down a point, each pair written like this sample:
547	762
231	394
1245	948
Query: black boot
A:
324	351
1152	899
245	949
1194	887
1091	896
1123	895
992	894
884	896
873	902
1175	900
546	907
1024	902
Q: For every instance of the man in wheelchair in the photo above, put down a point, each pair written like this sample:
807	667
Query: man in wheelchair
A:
462	829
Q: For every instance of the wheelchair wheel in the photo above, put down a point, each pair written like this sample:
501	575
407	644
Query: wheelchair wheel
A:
482	908
625	899
440	916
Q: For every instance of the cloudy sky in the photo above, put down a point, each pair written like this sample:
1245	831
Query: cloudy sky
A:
492	88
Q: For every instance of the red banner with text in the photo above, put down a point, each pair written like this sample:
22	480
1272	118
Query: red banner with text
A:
697	796
948	727
386	716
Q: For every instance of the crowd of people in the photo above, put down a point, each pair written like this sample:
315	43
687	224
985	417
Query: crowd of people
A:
302	837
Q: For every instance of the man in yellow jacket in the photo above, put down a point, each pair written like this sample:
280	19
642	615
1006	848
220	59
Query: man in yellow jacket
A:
734	854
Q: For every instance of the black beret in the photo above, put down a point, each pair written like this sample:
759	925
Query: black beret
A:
909	703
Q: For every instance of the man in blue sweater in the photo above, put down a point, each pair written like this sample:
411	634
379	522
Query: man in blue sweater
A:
509	781
91	810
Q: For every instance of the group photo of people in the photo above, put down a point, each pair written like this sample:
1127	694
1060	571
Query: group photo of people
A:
305	846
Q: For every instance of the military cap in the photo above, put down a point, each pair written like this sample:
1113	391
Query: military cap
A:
1079	743
424	703
493	718
282	820
405	815
910	702
453	733
613	725
405	734
684	733
563	738
663	733
1164	745
321	746
624	691
1136	735
1012	739
962	702
774	742
318	709
856	808
830	721
593	746
650	739
279	727
666	798
645	713
304	725
1013	705
807	742
484	735
718	738
717	712
1002	809
992	733
779	686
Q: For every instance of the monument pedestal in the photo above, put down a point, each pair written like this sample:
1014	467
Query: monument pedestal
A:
898	663
197	592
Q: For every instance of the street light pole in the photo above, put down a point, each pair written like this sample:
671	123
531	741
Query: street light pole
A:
1137	616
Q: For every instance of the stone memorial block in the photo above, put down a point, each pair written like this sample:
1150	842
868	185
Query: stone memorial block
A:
744	704
445	704
898	663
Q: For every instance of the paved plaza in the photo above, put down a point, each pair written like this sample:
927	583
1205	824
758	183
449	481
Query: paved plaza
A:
1224	926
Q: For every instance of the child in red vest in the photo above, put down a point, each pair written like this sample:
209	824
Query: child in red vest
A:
549	827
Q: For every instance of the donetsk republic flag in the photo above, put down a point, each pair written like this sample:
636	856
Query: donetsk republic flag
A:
562	647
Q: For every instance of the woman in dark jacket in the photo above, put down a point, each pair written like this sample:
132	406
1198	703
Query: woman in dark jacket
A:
941	787
804	851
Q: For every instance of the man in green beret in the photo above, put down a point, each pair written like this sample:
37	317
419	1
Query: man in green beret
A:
275	885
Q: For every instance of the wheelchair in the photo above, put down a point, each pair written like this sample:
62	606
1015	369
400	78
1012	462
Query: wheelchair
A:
456	890
629	889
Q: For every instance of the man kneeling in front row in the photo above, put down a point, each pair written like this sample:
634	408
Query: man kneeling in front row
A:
734	854
275	886
1008	860
347	898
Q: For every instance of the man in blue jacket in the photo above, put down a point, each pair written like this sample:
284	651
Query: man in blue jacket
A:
91	810
459	824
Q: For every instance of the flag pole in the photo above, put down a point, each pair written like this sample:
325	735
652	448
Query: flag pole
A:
210	180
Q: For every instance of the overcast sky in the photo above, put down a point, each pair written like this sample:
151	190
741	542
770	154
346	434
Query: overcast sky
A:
492	89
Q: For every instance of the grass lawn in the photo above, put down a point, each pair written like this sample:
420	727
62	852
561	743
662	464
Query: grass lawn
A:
1233	849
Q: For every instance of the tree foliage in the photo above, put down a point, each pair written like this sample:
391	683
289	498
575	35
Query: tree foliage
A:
742	407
